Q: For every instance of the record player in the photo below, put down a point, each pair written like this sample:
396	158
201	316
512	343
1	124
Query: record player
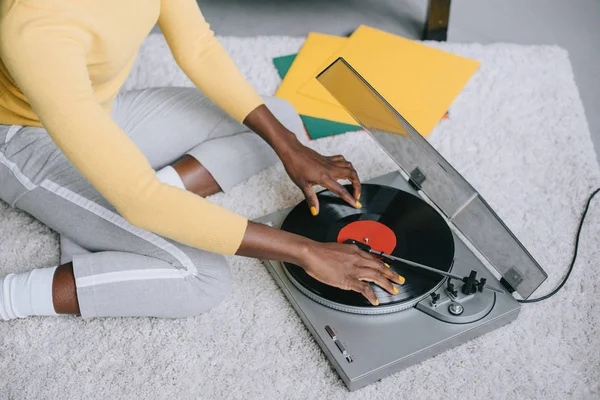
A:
426	217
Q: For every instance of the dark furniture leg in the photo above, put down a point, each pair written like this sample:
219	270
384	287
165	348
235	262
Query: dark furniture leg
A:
436	26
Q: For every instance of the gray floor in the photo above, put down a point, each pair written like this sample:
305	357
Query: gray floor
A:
572	25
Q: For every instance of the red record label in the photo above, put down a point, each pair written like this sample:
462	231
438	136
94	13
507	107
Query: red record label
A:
373	233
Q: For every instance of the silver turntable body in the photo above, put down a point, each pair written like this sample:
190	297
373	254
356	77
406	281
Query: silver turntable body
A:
366	348
367	344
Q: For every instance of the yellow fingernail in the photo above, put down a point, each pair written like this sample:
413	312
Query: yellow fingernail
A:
387	265
358	204
313	211
358	198
376	302
395	289
401	279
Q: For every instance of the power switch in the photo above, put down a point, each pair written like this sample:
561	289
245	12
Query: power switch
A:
339	344
331	332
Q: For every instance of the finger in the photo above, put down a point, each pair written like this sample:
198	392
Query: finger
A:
338	173
311	199
366	290
350	174
399	279
378	278
342	163
345	170
337	157
383	267
341	191
355	180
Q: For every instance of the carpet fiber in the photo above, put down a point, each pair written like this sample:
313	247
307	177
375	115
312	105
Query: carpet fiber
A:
517	132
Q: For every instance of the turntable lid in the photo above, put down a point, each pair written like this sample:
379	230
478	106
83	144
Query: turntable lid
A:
431	173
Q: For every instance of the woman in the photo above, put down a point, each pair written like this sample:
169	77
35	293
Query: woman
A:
123	178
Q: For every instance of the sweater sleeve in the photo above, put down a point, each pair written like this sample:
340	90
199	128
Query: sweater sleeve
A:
50	69
204	60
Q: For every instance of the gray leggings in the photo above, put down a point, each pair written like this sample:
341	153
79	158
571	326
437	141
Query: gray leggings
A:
121	270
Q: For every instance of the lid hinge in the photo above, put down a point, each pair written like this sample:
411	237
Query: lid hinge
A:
416	178
507	285
511	280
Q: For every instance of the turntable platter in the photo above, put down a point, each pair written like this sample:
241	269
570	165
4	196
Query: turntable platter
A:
392	221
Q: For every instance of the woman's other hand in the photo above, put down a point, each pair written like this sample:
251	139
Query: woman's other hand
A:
347	267
344	266
307	168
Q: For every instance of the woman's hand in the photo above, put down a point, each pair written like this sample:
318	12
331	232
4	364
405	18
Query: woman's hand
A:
347	267
307	168
341	265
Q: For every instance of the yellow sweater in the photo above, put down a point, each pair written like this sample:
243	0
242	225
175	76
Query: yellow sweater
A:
62	63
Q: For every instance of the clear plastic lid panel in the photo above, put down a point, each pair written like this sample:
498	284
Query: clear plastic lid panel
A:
432	174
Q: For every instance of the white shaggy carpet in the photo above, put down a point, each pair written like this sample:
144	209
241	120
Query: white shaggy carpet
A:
517	132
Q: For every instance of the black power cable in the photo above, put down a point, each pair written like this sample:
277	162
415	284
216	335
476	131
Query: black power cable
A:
562	283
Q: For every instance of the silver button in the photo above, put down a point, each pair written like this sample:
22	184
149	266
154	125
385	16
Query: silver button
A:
455	309
340	346
331	332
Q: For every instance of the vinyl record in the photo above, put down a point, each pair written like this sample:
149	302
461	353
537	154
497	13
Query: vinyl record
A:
392	221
